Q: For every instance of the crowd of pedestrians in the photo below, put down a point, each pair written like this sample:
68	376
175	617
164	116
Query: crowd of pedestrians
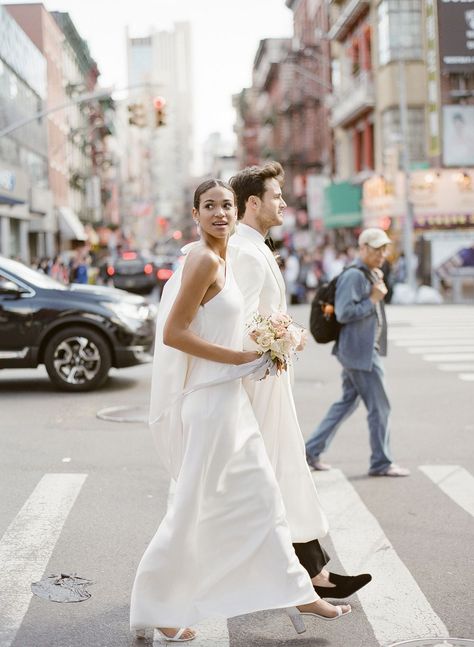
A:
67	268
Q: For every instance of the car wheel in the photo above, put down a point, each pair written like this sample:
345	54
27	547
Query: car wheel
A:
77	359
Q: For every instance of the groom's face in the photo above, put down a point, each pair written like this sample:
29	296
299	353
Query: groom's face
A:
270	213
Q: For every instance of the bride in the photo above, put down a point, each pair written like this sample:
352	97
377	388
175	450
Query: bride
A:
223	548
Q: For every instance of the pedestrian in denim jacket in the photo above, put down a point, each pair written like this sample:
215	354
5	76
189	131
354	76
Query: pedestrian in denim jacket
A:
362	342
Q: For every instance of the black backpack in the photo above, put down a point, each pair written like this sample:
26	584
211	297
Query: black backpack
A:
323	324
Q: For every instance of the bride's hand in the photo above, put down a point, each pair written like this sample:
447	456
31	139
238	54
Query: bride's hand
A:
247	356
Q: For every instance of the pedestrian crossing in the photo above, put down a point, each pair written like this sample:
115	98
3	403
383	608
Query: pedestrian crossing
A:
394	604
440	335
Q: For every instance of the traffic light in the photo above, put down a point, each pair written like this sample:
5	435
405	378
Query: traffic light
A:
137	115
159	104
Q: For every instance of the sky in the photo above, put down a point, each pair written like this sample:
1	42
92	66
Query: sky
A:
226	34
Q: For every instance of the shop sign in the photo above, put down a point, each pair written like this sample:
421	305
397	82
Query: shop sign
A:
439	198
315	185
456	35
7	181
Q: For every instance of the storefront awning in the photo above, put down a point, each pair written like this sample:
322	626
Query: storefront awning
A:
70	226
5	199
342	205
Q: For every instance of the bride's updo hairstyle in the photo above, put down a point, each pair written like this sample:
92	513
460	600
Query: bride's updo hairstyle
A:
209	184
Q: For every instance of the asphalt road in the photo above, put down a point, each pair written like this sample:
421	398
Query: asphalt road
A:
83	495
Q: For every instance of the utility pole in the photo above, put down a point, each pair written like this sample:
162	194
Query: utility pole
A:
408	221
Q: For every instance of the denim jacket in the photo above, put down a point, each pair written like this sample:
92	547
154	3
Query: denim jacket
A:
355	310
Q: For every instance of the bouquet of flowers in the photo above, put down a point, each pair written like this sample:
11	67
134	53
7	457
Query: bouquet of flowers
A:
278	336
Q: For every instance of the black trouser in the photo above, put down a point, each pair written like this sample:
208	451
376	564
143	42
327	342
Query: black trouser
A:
312	556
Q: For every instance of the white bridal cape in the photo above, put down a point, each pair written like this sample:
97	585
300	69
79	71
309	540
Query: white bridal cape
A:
223	547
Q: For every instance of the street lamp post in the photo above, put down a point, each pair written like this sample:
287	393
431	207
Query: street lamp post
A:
408	220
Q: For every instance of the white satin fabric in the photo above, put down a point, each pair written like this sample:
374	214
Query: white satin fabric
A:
261	283
223	548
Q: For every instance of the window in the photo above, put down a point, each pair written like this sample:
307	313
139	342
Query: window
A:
416	132
399	30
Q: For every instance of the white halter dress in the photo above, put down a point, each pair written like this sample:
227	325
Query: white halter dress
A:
223	548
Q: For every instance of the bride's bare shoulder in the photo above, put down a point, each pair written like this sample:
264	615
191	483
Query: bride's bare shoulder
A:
201	260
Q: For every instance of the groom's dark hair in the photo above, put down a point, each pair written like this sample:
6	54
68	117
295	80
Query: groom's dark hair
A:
251	181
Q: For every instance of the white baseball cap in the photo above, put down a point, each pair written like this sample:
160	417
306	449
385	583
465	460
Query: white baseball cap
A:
374	237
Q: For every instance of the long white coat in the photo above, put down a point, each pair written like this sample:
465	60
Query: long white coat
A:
261	283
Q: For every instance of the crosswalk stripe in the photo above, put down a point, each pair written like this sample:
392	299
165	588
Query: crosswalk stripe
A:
416	341
426	333
449	357
393	602
27	545
418	350
467	377
458	366
455	481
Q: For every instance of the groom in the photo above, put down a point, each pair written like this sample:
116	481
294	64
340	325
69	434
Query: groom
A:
260	205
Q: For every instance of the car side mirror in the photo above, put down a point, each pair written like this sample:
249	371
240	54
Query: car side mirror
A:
10	288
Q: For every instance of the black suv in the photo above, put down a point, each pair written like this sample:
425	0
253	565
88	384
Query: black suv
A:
78	332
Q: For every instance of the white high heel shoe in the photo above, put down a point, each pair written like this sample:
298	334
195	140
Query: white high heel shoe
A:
296	617
177	638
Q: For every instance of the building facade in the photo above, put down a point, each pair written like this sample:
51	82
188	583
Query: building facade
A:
26	225
161	65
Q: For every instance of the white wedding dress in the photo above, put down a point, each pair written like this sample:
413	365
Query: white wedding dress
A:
223	548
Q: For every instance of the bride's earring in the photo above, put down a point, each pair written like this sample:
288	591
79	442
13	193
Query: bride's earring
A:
198	228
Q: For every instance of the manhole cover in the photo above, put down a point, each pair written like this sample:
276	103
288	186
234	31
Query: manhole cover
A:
436	642
124	414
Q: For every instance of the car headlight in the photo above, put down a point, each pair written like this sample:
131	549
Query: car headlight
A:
130	313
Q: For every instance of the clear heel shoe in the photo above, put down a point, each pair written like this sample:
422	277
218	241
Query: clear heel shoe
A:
163	638
297	617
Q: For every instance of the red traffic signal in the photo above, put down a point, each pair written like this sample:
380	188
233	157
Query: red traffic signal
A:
159	104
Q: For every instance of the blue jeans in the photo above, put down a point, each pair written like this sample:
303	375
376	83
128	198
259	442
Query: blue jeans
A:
358	385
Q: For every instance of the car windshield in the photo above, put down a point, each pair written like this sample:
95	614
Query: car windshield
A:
25	273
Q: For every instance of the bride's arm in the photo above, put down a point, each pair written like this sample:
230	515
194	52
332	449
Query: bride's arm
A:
199	273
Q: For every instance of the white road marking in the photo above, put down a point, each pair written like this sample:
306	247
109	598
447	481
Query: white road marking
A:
27	545
393	602
421	341
467	377
455	481
449	357
456	367
446	349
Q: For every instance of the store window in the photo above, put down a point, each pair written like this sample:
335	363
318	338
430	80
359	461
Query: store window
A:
391	132
400	34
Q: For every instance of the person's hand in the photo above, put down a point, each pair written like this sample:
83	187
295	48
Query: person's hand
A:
378	292
247	356
303	340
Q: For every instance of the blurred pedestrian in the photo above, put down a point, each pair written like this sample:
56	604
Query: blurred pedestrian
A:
292	270
79	267
59	271
362	342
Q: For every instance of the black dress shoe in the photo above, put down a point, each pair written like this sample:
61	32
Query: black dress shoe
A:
345	585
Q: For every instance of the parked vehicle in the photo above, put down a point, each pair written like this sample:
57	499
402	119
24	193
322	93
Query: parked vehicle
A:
78	332
132	271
